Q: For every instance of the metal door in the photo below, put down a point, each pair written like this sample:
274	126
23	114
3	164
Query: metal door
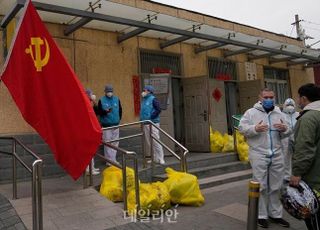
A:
248	93
218	118
232	102
163	92
177	104
196	117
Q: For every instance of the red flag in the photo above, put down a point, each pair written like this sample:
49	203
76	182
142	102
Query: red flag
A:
49	95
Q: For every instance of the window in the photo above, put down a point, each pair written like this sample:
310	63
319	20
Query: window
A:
222	69
277	80
151	61
7	37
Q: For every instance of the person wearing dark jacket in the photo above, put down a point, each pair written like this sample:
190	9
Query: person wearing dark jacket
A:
306	153
150	110
110	111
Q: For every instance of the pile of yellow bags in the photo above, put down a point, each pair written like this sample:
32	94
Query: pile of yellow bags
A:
111	186
153	197
183	188
220	143
179	188
242	147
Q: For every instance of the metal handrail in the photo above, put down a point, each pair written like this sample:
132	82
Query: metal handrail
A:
126	154
130	154
36	171
123	167
182	158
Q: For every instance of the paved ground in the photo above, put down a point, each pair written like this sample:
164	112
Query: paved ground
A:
9	218
67	206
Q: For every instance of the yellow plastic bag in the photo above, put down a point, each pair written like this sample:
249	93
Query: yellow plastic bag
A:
153	197
243	151
183	188
228	144
239	137
111	186
242	147
216	141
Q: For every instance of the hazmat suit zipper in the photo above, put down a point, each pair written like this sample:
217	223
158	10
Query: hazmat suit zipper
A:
270	136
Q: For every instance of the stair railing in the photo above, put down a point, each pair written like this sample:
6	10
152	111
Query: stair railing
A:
35	171
132	155
125	156
181	158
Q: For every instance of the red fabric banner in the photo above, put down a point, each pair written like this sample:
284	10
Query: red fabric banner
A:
223	77
161	70
50	96
136	94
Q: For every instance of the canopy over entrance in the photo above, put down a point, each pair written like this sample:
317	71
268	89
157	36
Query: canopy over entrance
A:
131	21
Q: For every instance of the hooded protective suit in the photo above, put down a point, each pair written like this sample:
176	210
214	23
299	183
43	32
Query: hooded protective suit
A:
266	156
290	114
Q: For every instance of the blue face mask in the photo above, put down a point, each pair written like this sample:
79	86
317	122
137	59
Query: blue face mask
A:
267	103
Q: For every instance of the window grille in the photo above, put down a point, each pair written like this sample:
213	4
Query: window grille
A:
222	69
277	80
150	60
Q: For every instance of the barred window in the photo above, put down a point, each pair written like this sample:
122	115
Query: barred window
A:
277	80
151	61
222	69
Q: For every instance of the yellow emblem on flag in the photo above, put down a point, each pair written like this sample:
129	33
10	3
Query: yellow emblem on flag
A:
39	62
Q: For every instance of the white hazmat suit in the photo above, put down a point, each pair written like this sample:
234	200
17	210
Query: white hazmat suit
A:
290	114
266	156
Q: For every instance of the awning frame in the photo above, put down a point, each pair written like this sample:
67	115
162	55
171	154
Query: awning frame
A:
87	16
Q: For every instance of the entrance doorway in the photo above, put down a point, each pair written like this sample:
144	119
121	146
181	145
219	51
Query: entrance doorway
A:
232	102
196	113
162	85
178	109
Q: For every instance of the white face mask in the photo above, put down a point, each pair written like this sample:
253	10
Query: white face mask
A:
109	94
93	97
143	94
289	109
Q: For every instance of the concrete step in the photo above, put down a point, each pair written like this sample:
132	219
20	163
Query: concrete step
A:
209	171
195	160
225	178
50	167
204	160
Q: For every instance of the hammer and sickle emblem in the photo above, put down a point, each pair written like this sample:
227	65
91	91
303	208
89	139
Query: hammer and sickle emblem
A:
37	42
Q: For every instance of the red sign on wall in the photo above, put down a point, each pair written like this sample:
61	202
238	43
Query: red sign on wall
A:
136	94
223	76
161	70
216	94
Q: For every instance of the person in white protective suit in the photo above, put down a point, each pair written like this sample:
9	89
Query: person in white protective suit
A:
263	126
289	111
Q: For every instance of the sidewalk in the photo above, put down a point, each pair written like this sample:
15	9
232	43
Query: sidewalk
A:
67	206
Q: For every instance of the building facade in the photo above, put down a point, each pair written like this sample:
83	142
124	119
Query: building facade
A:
198	88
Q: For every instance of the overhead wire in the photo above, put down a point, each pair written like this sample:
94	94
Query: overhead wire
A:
315	23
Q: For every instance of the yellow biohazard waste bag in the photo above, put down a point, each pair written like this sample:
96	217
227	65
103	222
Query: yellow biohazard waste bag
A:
242	147
183	188
153	198
228	144
111	186
216	141
243	151
239	137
